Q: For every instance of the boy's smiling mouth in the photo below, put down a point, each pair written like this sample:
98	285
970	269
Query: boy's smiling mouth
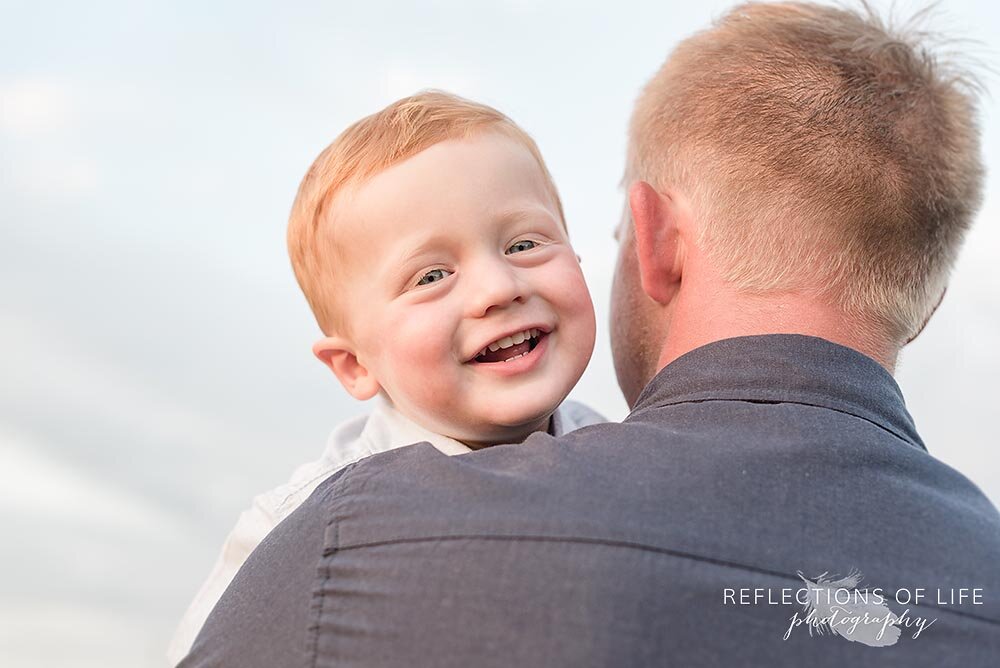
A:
510	347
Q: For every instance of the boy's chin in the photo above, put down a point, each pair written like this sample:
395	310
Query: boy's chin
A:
521	420
501	435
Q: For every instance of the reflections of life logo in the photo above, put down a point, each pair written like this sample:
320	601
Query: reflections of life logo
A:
838	606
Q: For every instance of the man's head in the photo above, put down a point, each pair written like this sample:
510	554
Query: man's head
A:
430	241
818	154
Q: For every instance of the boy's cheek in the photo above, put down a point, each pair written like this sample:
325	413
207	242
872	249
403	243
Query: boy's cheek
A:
420	358
573	293
429	394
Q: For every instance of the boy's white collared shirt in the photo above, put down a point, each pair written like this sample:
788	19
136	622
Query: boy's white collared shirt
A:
383	429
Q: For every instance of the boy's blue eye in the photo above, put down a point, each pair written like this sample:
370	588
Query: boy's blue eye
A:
433	276
522	245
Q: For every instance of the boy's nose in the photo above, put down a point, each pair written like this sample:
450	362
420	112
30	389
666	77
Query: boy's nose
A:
494	287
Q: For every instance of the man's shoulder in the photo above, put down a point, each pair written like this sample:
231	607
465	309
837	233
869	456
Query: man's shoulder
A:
681	486
648	502
270	597
612	512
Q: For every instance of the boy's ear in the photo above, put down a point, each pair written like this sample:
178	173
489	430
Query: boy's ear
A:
657	218
338	354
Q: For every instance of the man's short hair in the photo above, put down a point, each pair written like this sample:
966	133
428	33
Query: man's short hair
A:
373	144
823	151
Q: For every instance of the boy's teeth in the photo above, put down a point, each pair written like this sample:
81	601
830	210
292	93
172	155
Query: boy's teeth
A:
512	340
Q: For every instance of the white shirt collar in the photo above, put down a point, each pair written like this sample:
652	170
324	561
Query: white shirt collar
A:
387	429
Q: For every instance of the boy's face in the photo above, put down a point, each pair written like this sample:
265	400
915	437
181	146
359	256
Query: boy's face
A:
456	249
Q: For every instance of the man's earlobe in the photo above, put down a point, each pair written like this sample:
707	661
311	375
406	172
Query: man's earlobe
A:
337	354
928	318
657	239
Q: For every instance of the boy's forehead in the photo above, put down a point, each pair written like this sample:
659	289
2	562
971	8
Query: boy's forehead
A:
486	176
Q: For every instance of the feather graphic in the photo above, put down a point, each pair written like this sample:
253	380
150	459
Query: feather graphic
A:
837	616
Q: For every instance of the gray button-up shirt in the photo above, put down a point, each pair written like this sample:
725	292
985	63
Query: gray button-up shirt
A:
751	470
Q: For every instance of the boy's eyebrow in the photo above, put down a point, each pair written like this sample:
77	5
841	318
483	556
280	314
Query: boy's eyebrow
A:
518	212
425	246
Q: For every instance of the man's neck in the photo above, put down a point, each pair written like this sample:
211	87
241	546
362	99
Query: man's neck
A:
702	314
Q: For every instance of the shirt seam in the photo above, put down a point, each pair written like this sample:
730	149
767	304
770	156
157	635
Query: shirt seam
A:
324	582
680	554
366	443
322	475
329	471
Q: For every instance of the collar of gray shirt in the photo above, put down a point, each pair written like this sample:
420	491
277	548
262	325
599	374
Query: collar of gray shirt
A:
784	368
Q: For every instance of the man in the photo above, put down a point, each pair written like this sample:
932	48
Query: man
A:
800	181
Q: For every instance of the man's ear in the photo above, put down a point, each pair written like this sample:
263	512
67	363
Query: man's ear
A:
928	318
338	354
658	243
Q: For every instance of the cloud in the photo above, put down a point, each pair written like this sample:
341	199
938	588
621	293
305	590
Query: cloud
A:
86	636
40	486
40	118
35	106
44	174
56	372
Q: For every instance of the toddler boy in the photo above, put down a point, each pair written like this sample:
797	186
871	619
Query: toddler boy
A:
430	242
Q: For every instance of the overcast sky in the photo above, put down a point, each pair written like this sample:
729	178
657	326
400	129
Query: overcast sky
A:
155	370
